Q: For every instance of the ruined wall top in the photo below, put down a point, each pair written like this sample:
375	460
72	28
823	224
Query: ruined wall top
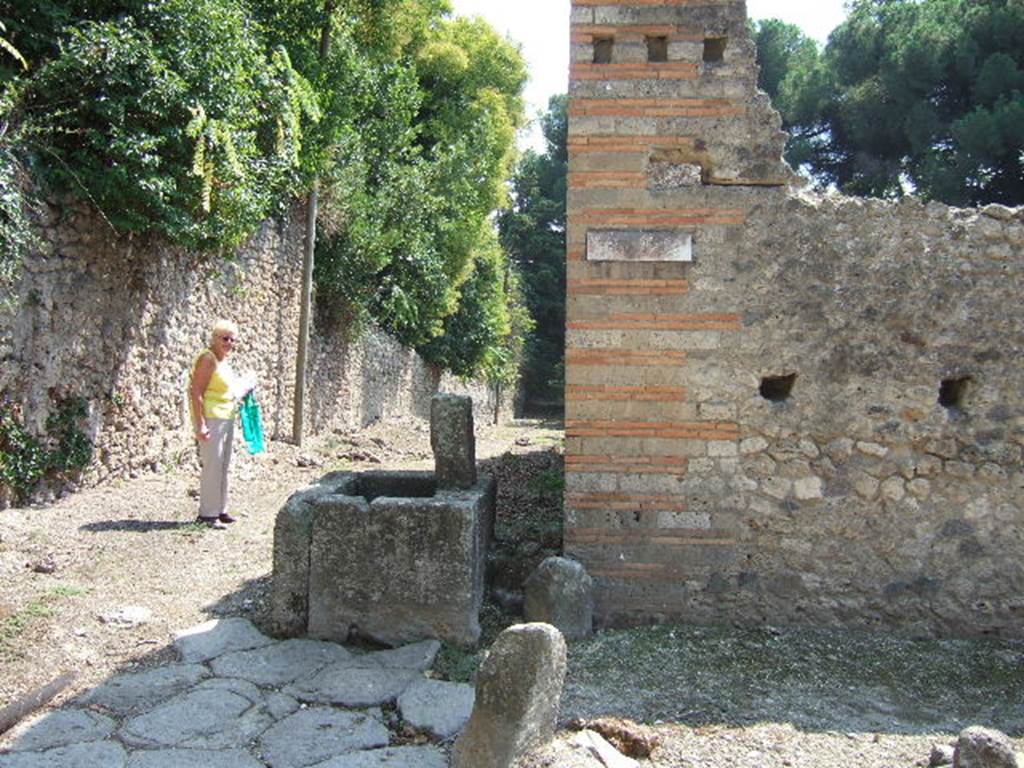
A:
681	70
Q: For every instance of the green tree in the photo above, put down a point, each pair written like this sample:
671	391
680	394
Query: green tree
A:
533	233
922	94
196	120
171	117
411	188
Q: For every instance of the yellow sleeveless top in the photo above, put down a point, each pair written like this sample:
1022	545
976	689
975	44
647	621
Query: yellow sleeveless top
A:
218	402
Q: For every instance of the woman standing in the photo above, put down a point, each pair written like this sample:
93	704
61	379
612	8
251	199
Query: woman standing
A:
214	394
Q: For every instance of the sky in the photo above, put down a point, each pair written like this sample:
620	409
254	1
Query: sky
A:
541	27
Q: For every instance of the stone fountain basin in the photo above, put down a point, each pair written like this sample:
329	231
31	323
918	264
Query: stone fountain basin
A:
384	556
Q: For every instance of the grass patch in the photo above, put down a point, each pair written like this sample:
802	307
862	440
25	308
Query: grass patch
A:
459	665
550	481
13	626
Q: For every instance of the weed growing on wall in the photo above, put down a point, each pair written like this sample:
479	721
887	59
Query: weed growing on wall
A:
27	459
16	236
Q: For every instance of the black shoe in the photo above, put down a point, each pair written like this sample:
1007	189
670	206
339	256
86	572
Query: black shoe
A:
226	518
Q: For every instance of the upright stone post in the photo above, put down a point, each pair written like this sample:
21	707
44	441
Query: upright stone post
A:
518	691
561	593
453	441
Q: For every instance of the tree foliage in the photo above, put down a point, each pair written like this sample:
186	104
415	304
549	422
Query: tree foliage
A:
533	232
197	119
170	117
409	187
921	94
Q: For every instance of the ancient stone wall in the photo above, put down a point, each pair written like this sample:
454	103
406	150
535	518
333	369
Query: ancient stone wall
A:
118	321
780	407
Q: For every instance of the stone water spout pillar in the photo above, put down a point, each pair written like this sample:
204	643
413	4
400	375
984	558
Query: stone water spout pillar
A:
453	441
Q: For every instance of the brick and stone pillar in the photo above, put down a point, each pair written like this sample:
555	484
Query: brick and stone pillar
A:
669	143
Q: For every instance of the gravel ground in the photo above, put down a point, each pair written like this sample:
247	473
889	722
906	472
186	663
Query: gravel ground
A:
718	697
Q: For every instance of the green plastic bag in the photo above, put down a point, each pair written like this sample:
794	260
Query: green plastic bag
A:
252	424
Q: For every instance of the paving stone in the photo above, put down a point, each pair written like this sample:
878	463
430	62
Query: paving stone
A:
61	728
94	754
280	705
436	706
280	663
193	758
213	638
314	735
419	656
137	691
391	757
217	714
353	686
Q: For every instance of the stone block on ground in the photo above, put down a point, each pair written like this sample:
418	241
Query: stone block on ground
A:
519	687
348	686
453	441
61	728
979	747
280	663
314	735
390	757
438	707
93	754
137	691
398	570
561	593
293	529
216	714
419	656
193	758
941	754
213	638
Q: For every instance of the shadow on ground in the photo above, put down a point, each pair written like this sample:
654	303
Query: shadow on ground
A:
137	526
816	679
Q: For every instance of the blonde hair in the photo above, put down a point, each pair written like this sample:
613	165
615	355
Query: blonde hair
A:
223	326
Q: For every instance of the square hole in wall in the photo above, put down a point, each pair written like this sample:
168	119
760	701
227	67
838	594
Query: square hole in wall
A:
714	49
603	47
657	49
777	388
953	393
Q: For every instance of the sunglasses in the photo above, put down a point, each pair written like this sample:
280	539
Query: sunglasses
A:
229	339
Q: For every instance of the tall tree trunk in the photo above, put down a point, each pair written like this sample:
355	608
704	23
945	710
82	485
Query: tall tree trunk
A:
305	311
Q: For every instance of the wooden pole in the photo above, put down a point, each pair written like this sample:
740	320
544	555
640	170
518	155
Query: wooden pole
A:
21	708
309	248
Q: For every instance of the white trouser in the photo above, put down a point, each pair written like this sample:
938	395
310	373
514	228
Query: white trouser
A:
215	455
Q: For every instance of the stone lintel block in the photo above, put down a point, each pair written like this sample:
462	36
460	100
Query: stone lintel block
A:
639	245
293	530
397	570
453	441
